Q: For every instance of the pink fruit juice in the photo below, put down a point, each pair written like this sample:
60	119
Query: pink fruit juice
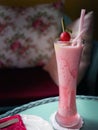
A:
68	59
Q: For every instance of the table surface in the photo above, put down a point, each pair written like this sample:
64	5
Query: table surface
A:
87	107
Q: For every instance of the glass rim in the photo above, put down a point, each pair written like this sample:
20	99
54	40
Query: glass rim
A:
65	43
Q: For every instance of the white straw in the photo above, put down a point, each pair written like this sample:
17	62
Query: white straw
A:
79	35
81	30
81	20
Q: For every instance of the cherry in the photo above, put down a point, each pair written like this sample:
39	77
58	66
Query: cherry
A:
65	36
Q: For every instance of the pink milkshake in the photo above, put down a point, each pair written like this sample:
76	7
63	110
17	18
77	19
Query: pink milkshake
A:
68	59
68	54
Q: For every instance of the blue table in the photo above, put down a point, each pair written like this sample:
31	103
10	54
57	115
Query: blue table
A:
87	107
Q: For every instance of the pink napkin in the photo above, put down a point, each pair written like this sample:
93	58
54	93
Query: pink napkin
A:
17	125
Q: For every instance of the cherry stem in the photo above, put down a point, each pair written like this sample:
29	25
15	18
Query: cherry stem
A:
63	24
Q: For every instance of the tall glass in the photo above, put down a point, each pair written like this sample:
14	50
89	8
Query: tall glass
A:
68	59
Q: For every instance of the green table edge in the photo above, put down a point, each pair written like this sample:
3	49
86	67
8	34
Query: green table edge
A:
40	102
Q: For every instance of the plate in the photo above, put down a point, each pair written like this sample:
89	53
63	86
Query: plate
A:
33	122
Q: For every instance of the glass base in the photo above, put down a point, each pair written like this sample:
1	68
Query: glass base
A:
56	126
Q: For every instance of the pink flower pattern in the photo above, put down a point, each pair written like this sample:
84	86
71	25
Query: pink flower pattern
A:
2	27
40	25
15	46
25	34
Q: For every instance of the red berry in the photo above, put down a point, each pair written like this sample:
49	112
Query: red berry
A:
65	36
